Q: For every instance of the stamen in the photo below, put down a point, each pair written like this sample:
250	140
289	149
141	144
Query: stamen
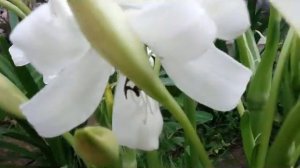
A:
139	97
133	88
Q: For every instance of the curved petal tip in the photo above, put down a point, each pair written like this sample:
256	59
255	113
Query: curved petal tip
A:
214	79
70	98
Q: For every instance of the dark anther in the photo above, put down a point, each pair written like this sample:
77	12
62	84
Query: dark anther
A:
153	57
135	89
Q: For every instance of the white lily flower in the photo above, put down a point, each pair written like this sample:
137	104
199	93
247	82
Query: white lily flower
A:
182	34
137	120
50	39
289	9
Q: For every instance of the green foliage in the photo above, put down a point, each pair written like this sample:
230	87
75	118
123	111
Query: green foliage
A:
222	133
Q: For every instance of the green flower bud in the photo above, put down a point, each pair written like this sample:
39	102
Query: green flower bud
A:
97	146
105	26
11	97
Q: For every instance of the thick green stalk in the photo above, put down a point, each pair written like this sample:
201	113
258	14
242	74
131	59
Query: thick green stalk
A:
8	5
260	84
153	159
246	57
267	116
259	87
279	154
20	4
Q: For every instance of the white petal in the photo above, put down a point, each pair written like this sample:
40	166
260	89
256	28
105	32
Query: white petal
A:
290	11
60	8
18	56
70	98
135	4
135	1
177	29
214	79
231	17
48	78
137	121
49	40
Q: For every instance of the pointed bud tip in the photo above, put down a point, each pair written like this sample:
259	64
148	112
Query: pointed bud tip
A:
11	97
97	146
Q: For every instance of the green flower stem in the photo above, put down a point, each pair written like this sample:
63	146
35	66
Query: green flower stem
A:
287	97
247	136
128	158
295	63
170	103
69	138
246	131
71	141
153	160
157	65
240	108
190	109
245	54
267	116
279	154
8	5
253	47
20	4
109	101
295	157
259	87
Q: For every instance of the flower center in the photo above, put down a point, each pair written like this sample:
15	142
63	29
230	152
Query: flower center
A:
142	100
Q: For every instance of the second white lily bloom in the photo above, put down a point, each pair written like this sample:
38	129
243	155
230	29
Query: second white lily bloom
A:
289	9
182	33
